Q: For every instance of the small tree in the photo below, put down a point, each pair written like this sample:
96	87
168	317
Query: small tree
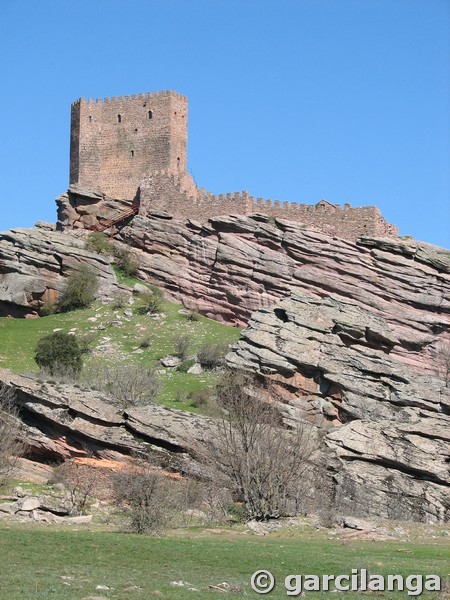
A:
82	285
12	445
264	464
59	351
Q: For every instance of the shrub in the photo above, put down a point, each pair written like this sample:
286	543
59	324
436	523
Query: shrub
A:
59	351
193	316
119	300
181	344
100	243
146	342
48	308
186	365
150	302
130	384
211	355
200	398
82	285
126	260
147	498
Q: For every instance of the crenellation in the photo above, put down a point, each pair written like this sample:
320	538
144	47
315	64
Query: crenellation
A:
135	147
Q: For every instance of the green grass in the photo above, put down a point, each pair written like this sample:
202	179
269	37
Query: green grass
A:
44	562
18	339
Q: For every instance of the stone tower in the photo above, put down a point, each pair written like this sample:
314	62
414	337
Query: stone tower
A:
116	142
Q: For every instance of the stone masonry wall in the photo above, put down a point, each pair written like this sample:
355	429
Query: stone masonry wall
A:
115	142
135	148
178	195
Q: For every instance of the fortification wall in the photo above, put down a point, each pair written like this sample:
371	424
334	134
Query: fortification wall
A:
135	148
178	195
116	142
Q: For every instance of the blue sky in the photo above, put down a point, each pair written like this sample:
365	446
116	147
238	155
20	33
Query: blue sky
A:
298	100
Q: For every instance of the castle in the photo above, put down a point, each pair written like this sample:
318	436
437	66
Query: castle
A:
134	148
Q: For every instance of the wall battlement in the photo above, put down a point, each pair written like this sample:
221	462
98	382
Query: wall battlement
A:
121	99
135	147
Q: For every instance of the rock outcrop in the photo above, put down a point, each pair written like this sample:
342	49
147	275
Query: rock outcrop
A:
34	264
232	265
64	421
388	427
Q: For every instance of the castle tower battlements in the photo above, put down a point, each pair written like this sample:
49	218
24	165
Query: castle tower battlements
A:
135	148
116	142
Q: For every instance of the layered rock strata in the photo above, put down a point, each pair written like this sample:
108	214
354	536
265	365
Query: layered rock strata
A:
388	427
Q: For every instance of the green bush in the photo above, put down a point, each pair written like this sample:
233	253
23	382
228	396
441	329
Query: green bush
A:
193	316
100	243
82	285
150	302
59	351
186	365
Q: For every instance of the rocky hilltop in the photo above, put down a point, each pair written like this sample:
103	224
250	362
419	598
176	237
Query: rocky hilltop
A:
354	335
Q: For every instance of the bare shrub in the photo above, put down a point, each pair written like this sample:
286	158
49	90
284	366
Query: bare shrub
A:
130	384
80	481
200	398
126	260
147	497
12	446
265	465
212	355
181	345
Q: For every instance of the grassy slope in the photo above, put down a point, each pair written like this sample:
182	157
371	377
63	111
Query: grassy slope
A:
18	338
41	562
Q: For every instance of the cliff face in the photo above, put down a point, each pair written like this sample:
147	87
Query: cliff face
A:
388	427
34	264
231	266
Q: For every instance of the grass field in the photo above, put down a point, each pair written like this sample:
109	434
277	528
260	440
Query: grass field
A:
44	562
116	338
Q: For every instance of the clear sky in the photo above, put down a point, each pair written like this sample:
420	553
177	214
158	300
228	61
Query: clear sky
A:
346	100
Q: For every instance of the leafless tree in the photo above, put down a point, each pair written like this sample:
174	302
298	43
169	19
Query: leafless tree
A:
81	481
266	465
12	445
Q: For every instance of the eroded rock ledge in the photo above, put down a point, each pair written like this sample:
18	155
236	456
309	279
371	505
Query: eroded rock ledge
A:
63	421
388	427
34	265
